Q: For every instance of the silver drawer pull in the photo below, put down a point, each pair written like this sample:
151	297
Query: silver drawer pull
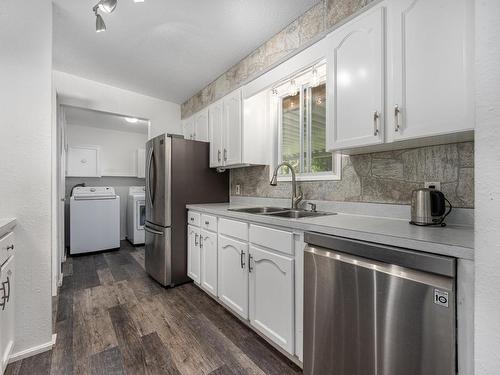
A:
250	260
10	247
242	259
207	222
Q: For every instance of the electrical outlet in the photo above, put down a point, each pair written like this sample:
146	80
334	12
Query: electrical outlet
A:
433	185
237	189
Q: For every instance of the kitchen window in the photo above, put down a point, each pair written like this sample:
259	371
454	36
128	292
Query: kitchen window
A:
300	104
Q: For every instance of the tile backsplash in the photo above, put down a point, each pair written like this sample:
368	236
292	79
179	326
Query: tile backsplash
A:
382	177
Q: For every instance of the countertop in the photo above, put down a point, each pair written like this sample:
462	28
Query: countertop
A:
452	240
6	225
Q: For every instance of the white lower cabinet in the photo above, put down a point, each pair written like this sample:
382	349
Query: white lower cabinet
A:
6	312
193	248
271	300
208	248
233	274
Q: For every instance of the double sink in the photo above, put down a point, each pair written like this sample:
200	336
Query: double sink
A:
281	212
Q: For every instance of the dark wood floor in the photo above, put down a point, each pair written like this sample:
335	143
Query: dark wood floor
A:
111	318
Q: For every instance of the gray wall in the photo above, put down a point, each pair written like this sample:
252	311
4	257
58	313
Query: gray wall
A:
383	177
121	185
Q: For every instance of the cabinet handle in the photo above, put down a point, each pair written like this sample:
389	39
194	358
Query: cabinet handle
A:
225	155
250	260
10	247
242	259
196	239
201	242
376	117
218	155
397	112
207	222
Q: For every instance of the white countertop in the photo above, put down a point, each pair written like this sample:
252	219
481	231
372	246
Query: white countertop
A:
452	240
6	225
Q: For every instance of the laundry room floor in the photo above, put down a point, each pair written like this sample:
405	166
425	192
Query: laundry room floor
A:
111	318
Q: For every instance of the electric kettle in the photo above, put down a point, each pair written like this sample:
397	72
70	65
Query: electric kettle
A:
428	207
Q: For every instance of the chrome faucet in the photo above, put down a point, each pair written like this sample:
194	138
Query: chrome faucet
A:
296	198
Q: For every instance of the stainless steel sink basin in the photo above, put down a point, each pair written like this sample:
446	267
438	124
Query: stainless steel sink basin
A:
259	210
297	214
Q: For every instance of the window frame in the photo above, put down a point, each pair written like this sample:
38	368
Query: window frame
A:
277	117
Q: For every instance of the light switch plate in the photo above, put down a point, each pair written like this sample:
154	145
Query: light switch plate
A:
237	189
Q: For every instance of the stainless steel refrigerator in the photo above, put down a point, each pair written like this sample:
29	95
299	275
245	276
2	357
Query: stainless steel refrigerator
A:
177	173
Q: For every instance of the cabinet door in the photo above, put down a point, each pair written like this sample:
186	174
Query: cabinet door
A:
232	129
233	274
6	312
272	296
189	130
356	83
208	245
215	133
431	48
194	254
201	125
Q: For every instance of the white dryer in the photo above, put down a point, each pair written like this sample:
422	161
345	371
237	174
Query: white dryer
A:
94	219
136	215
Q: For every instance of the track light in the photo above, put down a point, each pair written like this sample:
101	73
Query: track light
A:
99	23
107	6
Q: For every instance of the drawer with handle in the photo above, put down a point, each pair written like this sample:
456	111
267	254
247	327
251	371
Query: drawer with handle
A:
209	222
6	247
194	218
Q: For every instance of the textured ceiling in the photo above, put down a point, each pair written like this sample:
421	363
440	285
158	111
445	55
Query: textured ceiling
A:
168	49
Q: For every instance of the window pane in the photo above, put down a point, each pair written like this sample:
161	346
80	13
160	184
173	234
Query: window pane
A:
321	161
290	132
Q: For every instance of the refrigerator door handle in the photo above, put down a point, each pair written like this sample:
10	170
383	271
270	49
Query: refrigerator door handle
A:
148	229
148	167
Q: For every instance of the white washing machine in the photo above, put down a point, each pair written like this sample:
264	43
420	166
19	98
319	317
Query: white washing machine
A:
136	214
94	219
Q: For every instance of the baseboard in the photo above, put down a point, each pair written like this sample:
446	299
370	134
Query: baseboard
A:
33	351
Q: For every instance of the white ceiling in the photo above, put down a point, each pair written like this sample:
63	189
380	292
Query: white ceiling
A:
103	120
168	49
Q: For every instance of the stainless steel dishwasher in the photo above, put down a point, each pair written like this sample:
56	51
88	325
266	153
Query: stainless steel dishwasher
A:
377	310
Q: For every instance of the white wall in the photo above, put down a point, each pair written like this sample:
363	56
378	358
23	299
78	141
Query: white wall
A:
487	187
25	159
118	150
165	116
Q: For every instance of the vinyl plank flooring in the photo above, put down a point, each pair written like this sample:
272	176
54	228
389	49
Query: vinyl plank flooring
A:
108	362
112	318
134	356
158	357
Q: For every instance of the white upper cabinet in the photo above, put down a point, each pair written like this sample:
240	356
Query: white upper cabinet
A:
215	133
355	82
188	128
430	87
201	125
232	129
238	137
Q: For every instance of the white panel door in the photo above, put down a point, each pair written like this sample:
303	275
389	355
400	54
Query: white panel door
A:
431	61
6	312
356	83
271	278
215	114
208	245
232	129
201	125
233	274
194	259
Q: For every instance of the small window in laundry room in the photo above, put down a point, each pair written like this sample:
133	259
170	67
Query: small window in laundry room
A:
300	104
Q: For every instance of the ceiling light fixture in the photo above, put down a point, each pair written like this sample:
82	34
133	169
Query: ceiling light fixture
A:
107	6
131	120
